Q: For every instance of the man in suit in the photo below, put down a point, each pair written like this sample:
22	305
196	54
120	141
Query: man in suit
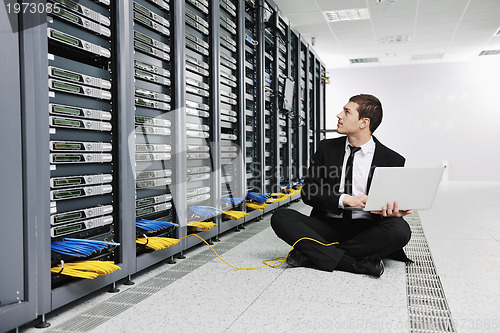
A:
340	176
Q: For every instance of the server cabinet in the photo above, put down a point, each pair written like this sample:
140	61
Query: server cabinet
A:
295	115
83	150
202	118
254	146
231	112
154	67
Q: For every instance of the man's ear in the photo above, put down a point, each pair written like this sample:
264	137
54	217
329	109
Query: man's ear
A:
365	122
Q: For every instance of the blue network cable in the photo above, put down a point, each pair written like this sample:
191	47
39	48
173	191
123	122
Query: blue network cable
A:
80	247
259	197
204	212
285	183
153	225
232	201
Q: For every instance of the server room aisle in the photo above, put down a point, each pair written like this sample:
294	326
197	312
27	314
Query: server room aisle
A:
203	293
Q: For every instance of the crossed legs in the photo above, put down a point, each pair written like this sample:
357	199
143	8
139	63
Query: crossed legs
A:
357	238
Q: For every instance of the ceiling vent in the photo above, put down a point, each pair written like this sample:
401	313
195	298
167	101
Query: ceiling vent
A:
347	15
396	39
489	52
428	56
363	60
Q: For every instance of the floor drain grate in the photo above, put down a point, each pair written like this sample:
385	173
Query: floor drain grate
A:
427	306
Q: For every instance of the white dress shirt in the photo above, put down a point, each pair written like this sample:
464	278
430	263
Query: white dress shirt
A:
361	169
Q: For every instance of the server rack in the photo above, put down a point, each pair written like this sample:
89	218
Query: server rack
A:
153	146
231	110
253	118
83	151
268	101
321	103
295	116
202	118
304	151
284	116
133	115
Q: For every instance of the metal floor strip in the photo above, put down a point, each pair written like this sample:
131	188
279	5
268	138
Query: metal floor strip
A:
427	306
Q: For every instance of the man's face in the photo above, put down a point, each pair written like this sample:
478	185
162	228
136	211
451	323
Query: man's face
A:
348	119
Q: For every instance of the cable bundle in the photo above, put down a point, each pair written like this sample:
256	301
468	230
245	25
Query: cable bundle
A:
156	243
232	201
259	197
88	269
291	192
289	183
80	247
256	205
202	226
276	197
204	212
153	225
235	214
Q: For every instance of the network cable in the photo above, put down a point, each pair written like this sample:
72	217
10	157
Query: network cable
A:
235	214
153	225
259	197
80	247
204	212
232	201
156	243
88	269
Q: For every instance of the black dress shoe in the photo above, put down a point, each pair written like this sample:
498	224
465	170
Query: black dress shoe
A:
298	259
372	265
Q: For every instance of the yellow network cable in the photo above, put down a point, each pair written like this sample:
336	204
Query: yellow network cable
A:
235	214
90	269
273	263
276	197
204	226
87	269
291	192
156	243
256	205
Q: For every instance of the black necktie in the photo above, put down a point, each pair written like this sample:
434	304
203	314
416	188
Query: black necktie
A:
348	177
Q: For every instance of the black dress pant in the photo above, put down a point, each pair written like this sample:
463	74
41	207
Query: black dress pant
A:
357	237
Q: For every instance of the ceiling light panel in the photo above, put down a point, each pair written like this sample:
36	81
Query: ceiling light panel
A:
489	52
363	60
347	15
395	39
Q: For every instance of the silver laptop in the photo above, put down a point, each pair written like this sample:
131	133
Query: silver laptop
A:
412	188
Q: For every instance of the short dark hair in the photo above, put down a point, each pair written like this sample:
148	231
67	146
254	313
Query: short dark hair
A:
370	107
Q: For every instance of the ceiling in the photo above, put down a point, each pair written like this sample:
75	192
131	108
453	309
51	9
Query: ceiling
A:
430	31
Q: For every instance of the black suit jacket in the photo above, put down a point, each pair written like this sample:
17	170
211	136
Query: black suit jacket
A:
321	188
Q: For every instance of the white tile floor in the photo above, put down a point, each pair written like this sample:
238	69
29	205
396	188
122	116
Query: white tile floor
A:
463	232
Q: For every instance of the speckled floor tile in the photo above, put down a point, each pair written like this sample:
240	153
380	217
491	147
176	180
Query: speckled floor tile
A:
275	315
313	285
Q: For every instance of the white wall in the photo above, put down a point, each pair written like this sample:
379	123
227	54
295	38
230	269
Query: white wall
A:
432	113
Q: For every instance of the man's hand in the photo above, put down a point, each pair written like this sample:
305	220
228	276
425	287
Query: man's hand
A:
355	201
389	211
